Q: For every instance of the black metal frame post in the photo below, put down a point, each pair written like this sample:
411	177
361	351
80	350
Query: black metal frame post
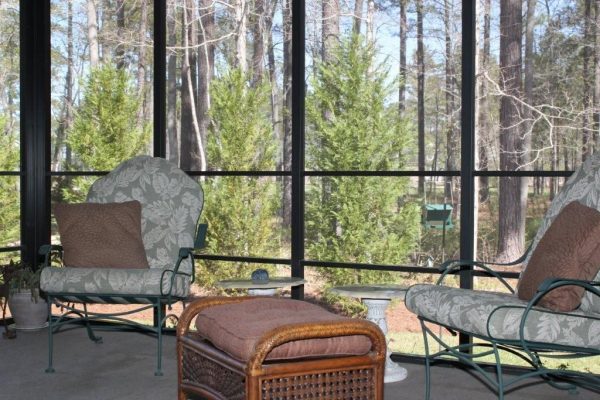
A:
467	115
35	127
298	97
159	101
160	60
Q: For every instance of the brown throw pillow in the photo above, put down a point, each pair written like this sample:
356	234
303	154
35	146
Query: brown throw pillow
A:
569	249
95	235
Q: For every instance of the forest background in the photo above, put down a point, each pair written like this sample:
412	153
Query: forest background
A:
382	94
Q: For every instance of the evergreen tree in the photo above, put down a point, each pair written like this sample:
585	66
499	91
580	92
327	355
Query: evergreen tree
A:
105	131
241	211
9	187
360	133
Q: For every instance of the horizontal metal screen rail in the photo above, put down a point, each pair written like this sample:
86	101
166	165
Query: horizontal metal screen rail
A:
253	260
524	173
77	173
328	173
334	264
9	249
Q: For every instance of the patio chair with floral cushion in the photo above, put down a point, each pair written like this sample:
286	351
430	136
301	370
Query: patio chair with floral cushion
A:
554	312
130	243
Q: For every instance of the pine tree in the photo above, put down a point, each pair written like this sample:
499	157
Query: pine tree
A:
105	131
9	187
241	211
362	132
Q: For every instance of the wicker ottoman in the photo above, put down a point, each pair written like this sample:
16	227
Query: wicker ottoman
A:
260	348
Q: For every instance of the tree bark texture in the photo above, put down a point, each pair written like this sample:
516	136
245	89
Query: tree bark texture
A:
330	31
206	65
67	121
484	126
257	24
357	17
420	96
241	11
402	72
192	147
512	197
287	107
452	137
141	67
92	32
172	135
120	50
586	128
370	23
330	28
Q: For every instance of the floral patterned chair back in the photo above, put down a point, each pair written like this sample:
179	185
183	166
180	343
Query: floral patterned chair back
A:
171	205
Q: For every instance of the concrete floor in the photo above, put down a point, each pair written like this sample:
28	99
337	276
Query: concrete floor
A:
122	368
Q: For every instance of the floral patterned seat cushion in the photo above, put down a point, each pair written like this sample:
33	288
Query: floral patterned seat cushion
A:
476	311
113	281
171	205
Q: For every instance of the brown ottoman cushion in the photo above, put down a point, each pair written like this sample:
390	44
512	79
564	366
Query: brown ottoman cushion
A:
236	329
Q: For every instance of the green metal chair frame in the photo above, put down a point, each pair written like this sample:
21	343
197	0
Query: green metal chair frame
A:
528	351
531	341
75	304
75	315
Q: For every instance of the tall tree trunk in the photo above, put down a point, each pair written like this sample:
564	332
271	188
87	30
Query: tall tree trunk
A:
420	96
172	136
357	17
193	155
370	23
141	72
512	198
257	22
120	50
450	81
241	11
586	137
483	127
527	137
330	28
206	65
67	120
554	164
402	71
287	107
92	32
272	68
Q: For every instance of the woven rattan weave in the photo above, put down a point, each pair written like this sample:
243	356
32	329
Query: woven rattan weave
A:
207	372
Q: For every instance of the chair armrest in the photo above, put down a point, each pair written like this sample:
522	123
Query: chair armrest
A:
547	286
200	240
317	330
46	251
550	284
451	266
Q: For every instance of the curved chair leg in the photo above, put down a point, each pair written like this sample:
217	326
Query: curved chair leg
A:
50	369
159	328
499	377
427	362
88	327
